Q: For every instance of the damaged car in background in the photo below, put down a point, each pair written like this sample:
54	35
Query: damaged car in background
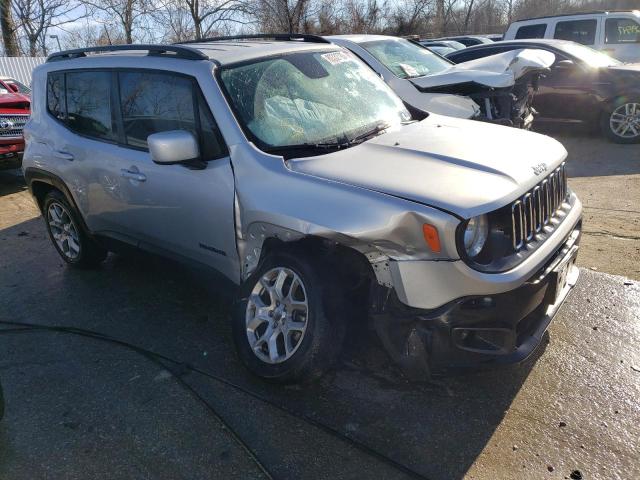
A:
498	90
301	177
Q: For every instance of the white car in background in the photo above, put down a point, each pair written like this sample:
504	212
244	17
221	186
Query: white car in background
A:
499	89
614	33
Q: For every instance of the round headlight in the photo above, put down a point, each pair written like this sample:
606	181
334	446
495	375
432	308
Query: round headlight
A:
475	235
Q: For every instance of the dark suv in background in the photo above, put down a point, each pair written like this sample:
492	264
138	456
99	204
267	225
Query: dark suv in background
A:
583	85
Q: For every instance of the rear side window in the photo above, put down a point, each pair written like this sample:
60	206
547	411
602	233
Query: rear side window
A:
622	30
88	104
580	31
55	95
531	31
152	102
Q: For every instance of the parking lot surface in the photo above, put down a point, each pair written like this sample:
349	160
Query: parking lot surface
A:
81	407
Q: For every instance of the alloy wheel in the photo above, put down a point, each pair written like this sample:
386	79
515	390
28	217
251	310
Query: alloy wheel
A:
276	315
625	120
63	230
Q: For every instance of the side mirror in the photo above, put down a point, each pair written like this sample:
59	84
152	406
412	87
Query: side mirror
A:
13	87
565	64
173	146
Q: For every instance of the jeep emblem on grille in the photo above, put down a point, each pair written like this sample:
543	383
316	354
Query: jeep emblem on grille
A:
538	169
6	124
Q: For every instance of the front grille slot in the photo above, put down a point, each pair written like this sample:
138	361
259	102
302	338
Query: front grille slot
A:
534	211
12	125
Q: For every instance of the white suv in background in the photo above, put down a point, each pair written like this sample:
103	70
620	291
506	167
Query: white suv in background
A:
615	33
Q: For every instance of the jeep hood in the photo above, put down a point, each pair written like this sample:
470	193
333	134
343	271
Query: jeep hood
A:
496	71
462	166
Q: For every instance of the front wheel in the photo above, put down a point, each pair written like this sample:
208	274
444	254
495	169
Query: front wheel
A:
287	323
621	122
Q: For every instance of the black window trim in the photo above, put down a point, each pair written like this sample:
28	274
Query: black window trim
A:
117	124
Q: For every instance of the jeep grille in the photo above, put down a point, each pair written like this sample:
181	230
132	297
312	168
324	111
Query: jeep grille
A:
12	125
533	212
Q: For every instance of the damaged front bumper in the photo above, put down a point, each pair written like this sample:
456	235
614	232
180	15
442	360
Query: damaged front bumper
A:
480	331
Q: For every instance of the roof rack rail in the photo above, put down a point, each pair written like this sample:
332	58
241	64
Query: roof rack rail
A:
185	53
300	37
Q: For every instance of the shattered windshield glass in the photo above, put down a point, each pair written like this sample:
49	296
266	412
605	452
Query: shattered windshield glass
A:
405	59
312	99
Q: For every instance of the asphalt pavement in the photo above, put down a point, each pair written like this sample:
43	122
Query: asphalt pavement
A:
81	407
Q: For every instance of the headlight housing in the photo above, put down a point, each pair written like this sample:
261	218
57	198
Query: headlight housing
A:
476	232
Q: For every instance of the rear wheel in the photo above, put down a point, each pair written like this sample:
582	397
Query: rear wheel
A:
621	122
66	233
287	323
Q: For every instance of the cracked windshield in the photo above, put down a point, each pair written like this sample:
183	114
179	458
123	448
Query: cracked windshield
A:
310	98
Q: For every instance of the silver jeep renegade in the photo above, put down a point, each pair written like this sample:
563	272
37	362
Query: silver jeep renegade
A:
287	165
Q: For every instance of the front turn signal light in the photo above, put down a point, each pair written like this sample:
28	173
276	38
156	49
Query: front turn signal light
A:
431	237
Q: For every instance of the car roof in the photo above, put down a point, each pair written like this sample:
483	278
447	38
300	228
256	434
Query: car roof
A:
235	51
359	38
221	50
551	42
576	14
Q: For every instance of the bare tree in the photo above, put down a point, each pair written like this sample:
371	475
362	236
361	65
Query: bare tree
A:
283	15
8	29
127	13
35	18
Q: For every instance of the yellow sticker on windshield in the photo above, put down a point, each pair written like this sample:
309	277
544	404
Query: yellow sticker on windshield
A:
334	58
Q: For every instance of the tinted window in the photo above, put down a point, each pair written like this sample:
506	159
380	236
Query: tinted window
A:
158	102
55	95
462	56
88	104
531	31
622	30
581	31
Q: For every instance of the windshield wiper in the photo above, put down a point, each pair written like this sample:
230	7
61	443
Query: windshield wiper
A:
375	131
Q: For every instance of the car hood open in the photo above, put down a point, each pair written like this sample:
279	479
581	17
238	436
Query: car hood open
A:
461	166
496	71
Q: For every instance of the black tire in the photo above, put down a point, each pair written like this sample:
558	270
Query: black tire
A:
322	341
605	124
90	253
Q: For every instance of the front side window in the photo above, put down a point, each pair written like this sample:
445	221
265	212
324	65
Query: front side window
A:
622	30
89	104
153	102
309	98
405	59
580	31
531	31
591	57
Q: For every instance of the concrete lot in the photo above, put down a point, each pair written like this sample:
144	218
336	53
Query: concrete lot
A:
81	408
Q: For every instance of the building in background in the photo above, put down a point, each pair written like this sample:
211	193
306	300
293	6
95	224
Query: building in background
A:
19	68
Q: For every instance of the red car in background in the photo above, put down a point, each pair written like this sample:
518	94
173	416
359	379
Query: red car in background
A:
15	108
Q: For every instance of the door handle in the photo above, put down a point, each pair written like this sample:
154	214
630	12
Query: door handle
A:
137	176
63	155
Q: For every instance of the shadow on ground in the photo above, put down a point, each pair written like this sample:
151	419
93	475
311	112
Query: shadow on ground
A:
11	181
437	430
